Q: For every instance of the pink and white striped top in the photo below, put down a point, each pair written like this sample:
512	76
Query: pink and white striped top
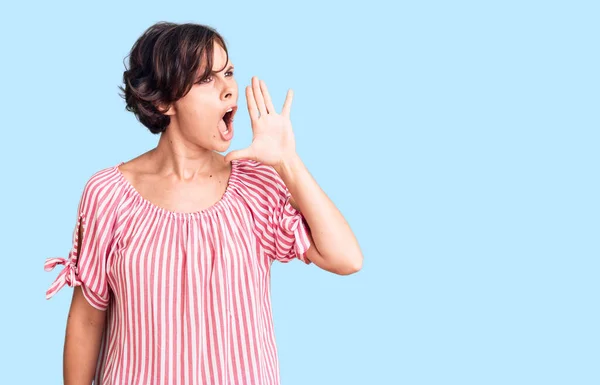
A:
187	295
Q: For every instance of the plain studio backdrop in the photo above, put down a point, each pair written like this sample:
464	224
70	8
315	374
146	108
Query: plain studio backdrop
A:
460	140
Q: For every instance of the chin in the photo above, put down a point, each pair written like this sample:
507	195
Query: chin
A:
222	147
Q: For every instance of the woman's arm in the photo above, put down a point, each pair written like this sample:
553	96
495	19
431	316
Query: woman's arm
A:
82	340
333	245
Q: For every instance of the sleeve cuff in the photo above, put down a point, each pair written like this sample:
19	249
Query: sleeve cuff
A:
295	234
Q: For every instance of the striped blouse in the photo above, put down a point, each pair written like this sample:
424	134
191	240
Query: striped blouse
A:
186	295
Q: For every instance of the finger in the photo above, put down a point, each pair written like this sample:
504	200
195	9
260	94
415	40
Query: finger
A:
245	153
252	109
268	101
287	105
258	97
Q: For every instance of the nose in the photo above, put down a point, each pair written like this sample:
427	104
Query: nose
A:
229	90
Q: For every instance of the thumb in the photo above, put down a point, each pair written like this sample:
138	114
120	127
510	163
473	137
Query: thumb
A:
246	153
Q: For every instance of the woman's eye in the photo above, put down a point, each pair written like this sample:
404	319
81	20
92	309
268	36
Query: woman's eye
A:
204	81
210	78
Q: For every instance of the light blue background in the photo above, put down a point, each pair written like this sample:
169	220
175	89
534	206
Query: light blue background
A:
460	139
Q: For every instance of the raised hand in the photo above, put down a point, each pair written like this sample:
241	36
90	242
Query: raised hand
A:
273	138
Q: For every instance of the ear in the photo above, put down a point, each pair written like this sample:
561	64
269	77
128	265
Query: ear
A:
166	110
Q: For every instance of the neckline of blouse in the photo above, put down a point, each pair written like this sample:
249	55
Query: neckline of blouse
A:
179	214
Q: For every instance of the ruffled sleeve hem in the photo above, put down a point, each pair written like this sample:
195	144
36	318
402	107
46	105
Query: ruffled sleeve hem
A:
293	239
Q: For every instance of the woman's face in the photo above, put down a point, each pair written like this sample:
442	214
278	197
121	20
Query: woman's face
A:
198	117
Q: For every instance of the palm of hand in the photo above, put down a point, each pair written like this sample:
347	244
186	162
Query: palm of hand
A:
273	137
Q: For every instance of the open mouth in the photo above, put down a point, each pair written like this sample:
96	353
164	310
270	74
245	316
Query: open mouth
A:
228	119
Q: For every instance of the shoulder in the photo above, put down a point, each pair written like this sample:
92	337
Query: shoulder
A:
256	172
259	177
253	167
102	188
103	181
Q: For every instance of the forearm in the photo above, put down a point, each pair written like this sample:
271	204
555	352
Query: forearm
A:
82	341
331	234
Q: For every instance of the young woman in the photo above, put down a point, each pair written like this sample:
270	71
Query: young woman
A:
172	250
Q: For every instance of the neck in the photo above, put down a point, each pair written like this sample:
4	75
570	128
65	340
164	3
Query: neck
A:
175	156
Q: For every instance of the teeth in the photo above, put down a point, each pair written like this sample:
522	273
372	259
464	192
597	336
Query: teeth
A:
229	110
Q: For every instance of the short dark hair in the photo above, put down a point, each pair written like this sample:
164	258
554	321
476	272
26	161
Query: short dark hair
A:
163	67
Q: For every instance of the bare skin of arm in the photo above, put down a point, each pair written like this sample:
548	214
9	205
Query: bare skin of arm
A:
82	340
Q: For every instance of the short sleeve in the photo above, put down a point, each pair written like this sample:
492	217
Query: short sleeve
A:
86	264
290	230
281	229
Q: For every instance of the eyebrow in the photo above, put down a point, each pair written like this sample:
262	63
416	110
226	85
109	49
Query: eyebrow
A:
227	70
